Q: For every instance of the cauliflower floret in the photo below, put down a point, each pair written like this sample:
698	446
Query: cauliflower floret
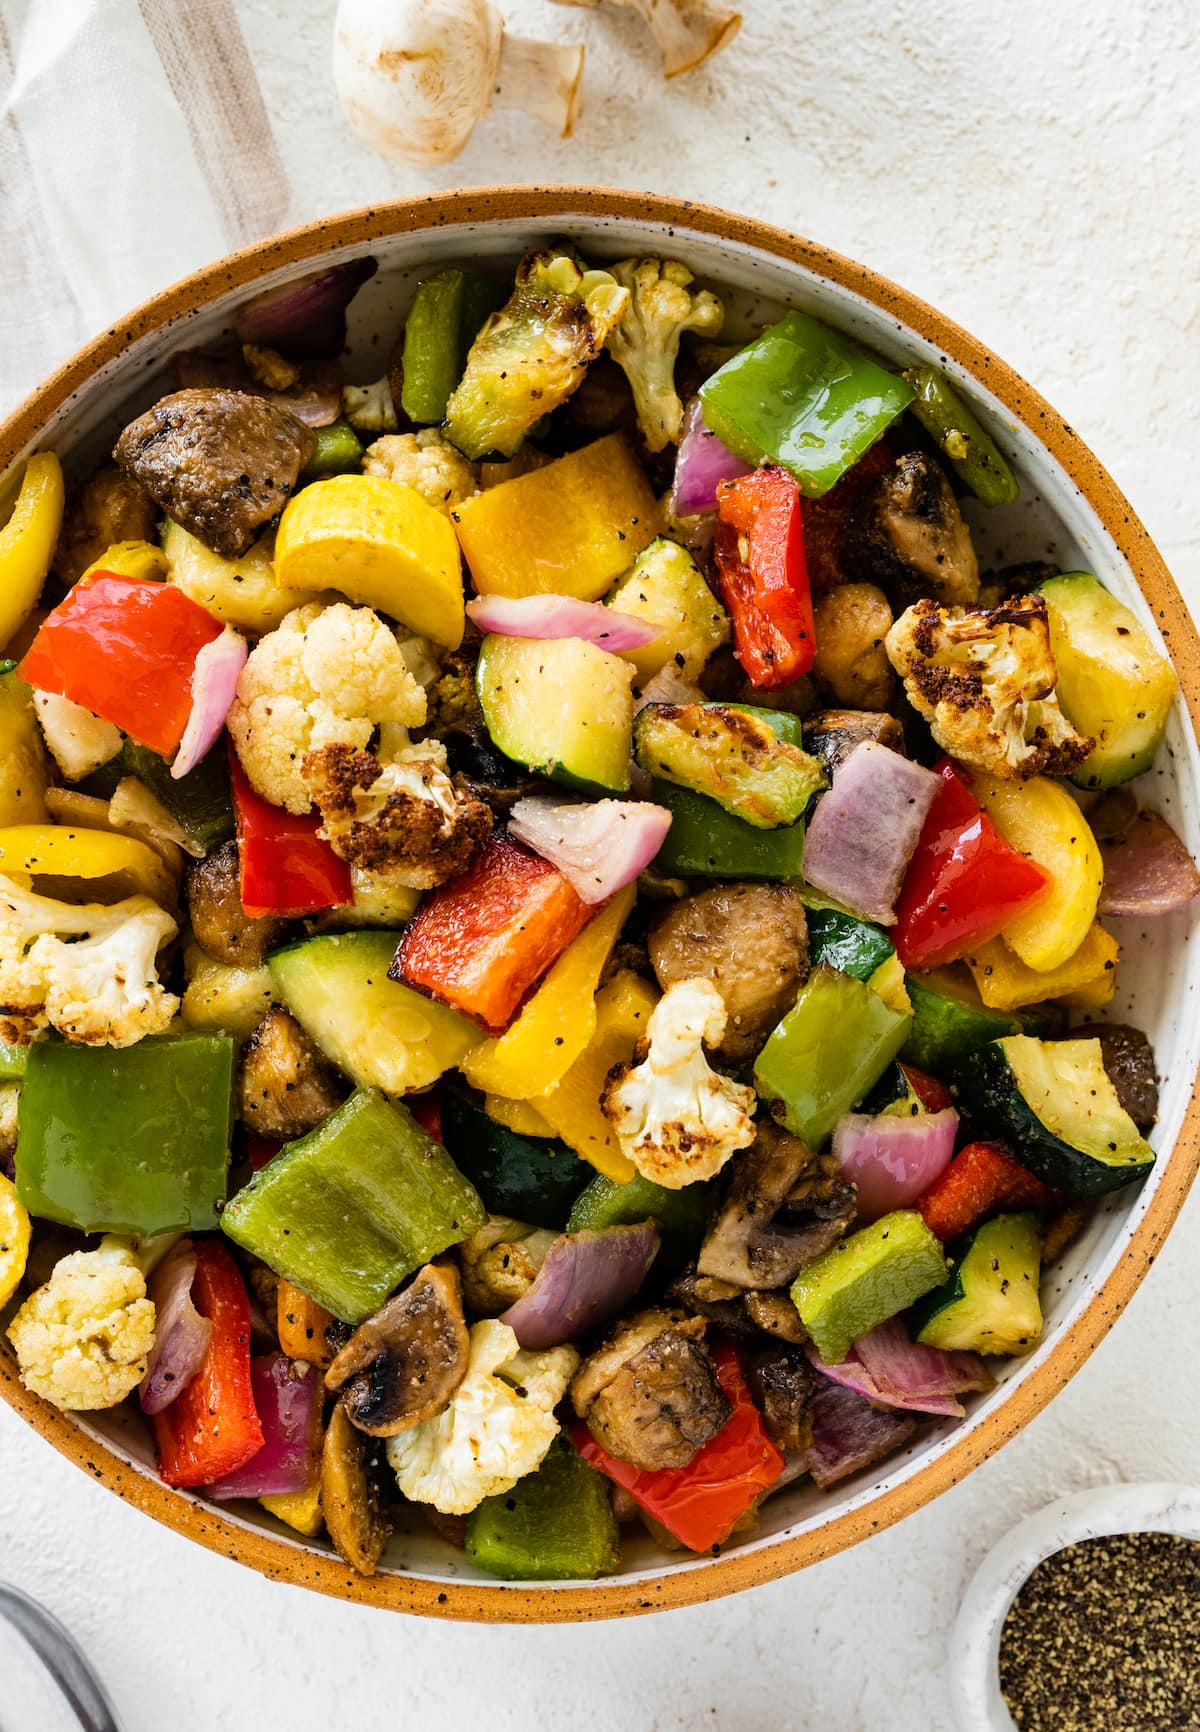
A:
10	1102
984	681
101	988
645	340
79	741
500	1262
677	1120
403	819
325	676
496	1429
14	1237
369	408
424	462
81	1340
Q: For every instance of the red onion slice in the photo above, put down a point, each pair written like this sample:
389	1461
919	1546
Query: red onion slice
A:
1147	870
598	847
891	1158
289	1397
585	1280
305	319
886	1367
181	1335
214	685
562	616
849	1433
702	461
862	835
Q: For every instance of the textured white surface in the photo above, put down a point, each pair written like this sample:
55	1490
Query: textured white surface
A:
1033	171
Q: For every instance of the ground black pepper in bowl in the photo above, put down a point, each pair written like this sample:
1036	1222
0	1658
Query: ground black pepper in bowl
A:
1105	1637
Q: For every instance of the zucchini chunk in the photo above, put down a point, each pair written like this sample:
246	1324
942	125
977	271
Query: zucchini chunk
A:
750	761
1056	1104
950	1019
991	1302
561	706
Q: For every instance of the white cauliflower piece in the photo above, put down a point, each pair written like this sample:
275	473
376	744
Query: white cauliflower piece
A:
497	1428
81	1340
325	676
426	463
645	341
500	1262
101	988
369	408
79	741
10	1103
984	681
677	1120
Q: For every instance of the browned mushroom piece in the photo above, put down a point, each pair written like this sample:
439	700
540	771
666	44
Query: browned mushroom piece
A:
110	507
650	1394
221	463
718	1302
908	536
831	735
287	1085
782	1381
1129	1060
774	1313
349	1497
404	1364
782	1207
850	664
220	925
751	941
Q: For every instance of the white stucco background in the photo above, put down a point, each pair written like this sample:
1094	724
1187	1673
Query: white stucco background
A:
1032	169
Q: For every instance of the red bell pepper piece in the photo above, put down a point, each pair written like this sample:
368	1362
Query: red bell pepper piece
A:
827	519
701	1503
261	1151
933	1095
286	868
981	1177
481	941
212	1426
964	882
427	1110
126	649
759	550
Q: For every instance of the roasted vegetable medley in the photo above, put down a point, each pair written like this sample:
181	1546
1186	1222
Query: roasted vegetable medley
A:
554	923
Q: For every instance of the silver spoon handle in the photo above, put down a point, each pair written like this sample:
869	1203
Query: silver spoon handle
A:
62	1657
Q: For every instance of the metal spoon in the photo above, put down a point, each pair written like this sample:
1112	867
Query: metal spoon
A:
62	1657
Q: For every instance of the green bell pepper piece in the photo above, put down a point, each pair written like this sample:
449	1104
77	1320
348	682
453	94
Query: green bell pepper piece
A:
865	1279
348	1211
338	450
836	1041
13	1062
680	1215
446	314
974	453
554	1525
706	841
127	1139
200	802
845	942
801	395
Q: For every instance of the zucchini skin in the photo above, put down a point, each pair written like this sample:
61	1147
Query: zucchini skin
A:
985	1088
533	1179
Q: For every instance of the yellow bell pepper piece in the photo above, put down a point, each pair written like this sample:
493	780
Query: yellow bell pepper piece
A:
59	851
570	528
301	1510
573	1108
379	543
14	1239
23	773
518	1116
1007	983
131	559
1044	821
27	541
888	982
538	1049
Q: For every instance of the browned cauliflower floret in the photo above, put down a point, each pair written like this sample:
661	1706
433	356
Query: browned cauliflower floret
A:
984	681
403	819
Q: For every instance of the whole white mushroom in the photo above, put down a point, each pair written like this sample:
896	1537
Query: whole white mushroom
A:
415	76
687	31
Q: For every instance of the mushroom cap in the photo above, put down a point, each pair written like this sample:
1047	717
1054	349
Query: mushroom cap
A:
404	1364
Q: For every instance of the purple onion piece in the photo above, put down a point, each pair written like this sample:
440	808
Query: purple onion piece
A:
598	846
214	686
554	616
849	1433
585	1280
702	462
288	1395
887	1368
305	319
181	1335
1147	870
893	1159
862	835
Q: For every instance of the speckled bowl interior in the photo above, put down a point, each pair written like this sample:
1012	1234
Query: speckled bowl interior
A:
1069	512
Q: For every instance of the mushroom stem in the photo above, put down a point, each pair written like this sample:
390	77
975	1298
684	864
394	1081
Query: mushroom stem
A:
540	78
688	32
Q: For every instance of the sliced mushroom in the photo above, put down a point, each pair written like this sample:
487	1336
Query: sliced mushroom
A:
1129	1060
850	664
775	1314
110	507
349	1496
403	1364
650	1394
908	536
220	925
287	1087
781	1381
718	1302
831	735
782	1207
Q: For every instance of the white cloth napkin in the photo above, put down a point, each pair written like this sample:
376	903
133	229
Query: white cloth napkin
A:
134	147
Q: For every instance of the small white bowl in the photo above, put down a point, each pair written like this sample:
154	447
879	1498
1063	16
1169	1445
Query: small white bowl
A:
1083	1515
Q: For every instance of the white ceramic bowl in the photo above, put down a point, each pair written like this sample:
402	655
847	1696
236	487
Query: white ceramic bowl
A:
1069	512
